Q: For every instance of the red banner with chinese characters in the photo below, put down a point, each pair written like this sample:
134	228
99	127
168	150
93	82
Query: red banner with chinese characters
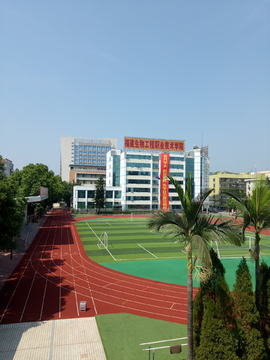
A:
153	144
164	183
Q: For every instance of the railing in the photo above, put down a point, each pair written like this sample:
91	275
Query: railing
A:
174	349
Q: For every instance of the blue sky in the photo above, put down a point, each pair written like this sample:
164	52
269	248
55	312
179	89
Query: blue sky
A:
193	70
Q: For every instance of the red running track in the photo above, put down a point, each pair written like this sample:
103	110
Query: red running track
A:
55	275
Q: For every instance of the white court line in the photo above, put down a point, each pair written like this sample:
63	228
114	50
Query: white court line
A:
26	301
75	291
148	251
75	237
48	268
103	245
26	267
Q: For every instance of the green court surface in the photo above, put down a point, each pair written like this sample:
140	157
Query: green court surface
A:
134	249
122	334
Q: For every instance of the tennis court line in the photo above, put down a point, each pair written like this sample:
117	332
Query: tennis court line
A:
101	242
148	251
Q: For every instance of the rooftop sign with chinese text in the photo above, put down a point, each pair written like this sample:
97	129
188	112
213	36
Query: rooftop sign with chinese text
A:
153	144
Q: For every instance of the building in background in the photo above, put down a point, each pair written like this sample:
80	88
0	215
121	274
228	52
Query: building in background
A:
251	182
226	181
197	163
84	156
138	173
8	167
134	178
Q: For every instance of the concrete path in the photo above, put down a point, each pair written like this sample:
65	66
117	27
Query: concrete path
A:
71	339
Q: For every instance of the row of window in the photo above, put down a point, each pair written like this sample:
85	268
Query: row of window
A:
147	198
82	162
92	147
90	205
90	156
132	190
131	164
139	173
91	193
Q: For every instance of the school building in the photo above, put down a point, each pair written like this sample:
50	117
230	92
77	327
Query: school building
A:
136	176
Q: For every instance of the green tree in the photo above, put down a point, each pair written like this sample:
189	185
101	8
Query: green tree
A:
27	182
207	288
1	168
256	213
250	344
196	232
68	192
265	306
217	338
100	194
12	213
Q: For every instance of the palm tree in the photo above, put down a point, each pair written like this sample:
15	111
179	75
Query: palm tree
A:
256	212
196	232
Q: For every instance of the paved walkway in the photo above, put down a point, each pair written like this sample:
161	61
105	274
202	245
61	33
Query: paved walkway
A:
71	339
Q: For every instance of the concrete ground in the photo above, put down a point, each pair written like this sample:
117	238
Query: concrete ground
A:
71	339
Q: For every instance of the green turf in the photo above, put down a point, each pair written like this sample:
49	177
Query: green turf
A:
133	241
122	333
132	245
175	271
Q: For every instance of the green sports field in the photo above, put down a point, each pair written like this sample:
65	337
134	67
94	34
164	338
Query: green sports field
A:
129	239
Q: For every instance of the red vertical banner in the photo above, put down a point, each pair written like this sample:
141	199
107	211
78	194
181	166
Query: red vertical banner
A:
164	184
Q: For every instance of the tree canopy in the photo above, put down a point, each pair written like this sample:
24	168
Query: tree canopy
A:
12	211
100	194
27	183
196	231
255	211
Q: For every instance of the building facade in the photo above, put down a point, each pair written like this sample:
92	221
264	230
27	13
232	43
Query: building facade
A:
197	164
138	175
229	182
89	154
133	178
83	197
8	167
250	183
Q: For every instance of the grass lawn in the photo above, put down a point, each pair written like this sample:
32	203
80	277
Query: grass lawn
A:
122	333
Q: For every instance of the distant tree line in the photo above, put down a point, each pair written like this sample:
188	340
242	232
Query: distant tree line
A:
14	191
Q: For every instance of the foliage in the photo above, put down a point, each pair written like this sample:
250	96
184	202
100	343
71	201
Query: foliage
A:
213	311
256	212
250	344
217	340
100	194
265	305
68	192
28	181
11	215
196	232
1	168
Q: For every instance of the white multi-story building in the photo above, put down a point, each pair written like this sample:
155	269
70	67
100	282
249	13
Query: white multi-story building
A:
133	176
138	172
197	163
84	155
